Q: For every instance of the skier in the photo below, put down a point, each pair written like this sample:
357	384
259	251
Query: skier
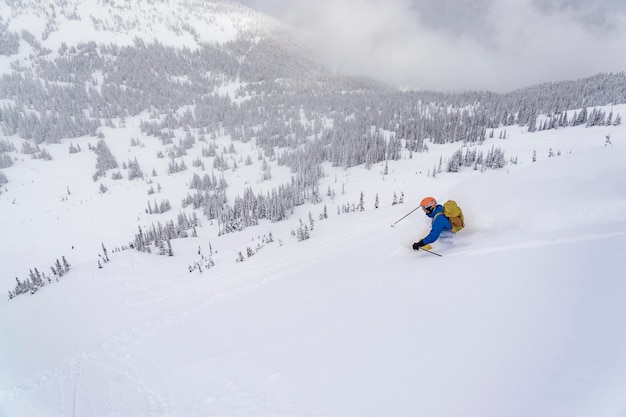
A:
440	223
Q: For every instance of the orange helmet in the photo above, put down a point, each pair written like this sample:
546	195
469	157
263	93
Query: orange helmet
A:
428	204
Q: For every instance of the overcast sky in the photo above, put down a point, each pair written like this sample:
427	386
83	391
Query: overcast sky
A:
498	45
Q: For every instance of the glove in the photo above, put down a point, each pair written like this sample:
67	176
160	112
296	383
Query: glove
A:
418	245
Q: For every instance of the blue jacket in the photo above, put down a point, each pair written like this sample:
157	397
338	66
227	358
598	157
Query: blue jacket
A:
440	223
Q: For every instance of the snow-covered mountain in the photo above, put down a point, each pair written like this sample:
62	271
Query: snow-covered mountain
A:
32	29
171	22
138	130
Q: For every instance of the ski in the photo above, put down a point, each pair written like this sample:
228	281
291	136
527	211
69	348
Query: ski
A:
429	251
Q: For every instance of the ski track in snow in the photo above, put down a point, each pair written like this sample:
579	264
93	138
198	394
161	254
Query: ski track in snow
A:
505	247
132	388
112	360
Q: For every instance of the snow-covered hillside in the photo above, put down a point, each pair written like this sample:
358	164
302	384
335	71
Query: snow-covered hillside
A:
522	315
171	22
198	227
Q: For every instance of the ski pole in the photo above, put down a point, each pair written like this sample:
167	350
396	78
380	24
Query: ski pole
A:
429	251
393	224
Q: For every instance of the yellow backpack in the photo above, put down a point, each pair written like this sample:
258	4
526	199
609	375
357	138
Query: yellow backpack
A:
454	213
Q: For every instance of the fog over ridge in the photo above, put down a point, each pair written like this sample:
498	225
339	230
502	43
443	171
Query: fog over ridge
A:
455	45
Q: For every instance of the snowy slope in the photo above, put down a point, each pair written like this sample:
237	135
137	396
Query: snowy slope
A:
523	315
176	23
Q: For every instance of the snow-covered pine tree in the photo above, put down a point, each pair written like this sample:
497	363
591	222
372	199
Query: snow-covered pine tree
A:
59	268
134	171
105	159
105	253
66	265
161	247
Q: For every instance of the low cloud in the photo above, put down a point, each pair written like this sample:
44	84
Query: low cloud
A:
486	44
